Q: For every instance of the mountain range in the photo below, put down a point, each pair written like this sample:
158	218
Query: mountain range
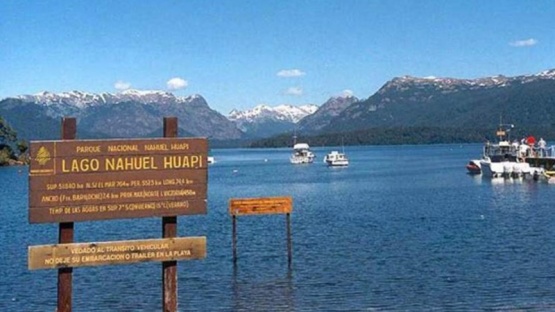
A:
131	113
326	113
449	103
265	121
527	101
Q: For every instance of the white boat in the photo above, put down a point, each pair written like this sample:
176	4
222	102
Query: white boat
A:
542	162
301	154
211	160
502	159
335	158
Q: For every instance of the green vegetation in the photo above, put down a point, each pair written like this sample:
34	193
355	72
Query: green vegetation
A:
402	135
422	113
522	104
12	151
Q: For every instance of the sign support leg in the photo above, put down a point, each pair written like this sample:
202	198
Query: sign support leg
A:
169	229
169	269
65	234
289	243
234	238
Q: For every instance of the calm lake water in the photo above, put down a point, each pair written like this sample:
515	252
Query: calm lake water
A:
401	228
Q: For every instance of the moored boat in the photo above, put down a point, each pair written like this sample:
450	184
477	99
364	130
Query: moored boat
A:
336	159
301	154
474	167
502	159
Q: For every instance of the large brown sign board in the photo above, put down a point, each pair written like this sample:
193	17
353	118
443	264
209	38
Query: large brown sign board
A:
81	180
261	205
118	252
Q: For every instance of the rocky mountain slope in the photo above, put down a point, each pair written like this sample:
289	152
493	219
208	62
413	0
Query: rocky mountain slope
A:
131	113
527	101
265	121
325	114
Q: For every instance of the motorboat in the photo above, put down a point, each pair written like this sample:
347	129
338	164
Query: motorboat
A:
302	154
502	159
211	160
474	166
542	162
518	159
335	158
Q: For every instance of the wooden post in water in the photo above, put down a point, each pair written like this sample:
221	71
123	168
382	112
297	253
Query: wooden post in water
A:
169	229
261	206
289	243
65	233
234	238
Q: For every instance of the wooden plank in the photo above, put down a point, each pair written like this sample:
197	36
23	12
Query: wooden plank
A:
118	252
119	180
94	175
261	205
118	147
143	209
88	156
117	164
79	197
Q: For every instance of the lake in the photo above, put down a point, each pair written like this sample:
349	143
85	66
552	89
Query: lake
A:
401	228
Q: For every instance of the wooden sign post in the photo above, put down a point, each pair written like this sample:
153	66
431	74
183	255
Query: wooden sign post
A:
81	180
260	206
169	229
65	234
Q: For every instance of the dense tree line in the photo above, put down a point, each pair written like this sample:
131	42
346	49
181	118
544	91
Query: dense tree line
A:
403	135
12	151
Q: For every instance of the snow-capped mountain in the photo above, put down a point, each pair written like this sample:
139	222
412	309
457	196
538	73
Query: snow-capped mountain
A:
404	101
449	102
455	84
287	113
83	99
131	113
264	120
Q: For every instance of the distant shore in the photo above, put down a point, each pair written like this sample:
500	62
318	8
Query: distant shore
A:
12	162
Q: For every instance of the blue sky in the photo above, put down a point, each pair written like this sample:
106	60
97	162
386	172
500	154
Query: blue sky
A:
238	54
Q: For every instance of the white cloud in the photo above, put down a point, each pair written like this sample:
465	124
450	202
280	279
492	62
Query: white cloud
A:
122	85
347	92
295	91
524	43
177	83
290	73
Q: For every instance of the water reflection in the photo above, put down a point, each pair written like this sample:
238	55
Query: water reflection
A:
262	293
476	178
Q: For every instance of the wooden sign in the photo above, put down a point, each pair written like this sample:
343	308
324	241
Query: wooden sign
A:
117	252
80	180
262	205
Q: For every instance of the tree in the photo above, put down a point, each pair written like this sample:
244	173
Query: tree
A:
22	146
8	139
7	134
